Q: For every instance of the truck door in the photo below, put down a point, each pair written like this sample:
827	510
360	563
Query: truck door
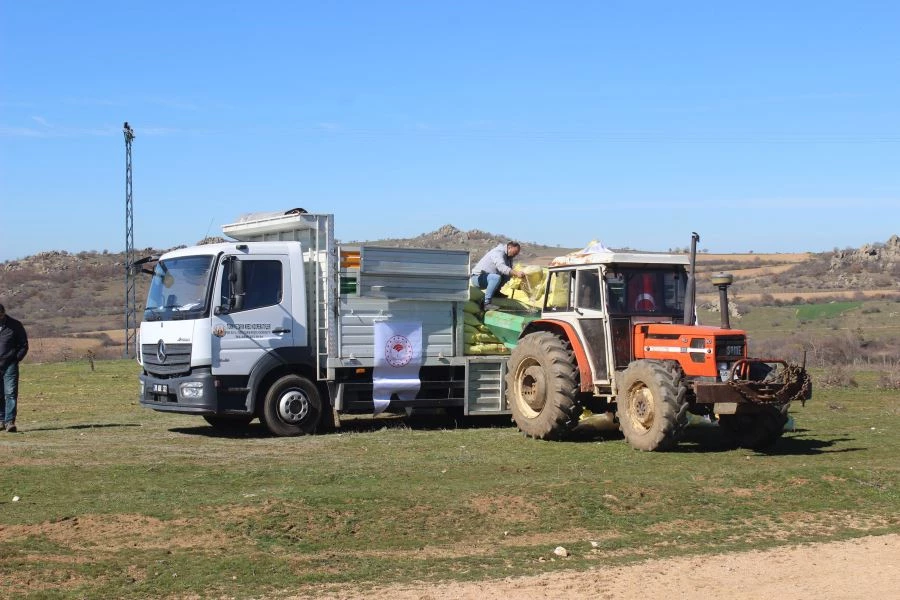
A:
251	311
592	319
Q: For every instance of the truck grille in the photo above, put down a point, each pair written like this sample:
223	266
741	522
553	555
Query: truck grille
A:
730	348
177	360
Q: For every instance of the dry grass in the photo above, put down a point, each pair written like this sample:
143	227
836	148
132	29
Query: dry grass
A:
806	295
789	258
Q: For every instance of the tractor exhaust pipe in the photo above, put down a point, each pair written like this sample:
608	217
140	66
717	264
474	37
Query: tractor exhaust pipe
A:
722	281
690	292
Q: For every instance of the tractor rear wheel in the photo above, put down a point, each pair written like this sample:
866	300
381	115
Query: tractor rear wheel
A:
652	405
541	386
756	431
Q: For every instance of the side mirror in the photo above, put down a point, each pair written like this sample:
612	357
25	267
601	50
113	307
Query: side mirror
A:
235	277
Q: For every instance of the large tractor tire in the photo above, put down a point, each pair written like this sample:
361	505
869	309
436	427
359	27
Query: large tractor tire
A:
541	386
228	424
652	405
756	431
292	406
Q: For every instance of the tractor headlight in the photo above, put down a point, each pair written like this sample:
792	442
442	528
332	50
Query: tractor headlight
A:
723	371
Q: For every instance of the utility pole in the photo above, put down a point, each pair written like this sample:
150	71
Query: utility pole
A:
130	267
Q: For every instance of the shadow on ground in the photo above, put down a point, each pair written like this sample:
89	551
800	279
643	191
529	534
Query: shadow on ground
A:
696	438
362	424
86	426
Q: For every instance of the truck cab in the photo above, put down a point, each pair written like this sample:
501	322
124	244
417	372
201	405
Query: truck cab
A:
216	314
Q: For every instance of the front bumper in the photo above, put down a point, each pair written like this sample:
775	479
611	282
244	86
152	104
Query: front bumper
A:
791	385
172	395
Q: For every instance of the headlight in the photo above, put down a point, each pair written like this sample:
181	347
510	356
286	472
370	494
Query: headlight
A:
192	389
723	371
142	388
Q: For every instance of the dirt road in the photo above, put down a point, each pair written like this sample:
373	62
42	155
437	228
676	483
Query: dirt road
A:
856	569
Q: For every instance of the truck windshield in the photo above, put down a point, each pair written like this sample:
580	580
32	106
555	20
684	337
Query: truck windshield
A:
656	291
180	289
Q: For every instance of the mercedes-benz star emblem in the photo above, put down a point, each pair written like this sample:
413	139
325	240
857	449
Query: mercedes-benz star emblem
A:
161	351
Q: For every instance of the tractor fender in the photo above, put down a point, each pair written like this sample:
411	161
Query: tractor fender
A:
567	332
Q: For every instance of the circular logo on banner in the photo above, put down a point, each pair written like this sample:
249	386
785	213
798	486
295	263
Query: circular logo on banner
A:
398	351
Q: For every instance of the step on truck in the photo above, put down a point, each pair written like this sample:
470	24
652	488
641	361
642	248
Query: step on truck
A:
286	325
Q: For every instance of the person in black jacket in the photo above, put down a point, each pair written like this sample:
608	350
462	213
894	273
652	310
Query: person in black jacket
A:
13	348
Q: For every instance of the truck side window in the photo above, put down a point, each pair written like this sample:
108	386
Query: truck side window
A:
589	290
262	283
559	294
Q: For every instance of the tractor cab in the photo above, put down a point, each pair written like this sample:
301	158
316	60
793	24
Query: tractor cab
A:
602	302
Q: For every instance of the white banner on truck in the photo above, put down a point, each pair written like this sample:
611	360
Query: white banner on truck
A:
398	356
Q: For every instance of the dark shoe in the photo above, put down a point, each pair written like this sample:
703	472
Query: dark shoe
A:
491	306
11	427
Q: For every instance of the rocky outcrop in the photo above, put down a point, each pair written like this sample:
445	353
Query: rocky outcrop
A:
875	256
867	265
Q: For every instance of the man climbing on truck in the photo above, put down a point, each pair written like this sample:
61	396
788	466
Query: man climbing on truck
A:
494	269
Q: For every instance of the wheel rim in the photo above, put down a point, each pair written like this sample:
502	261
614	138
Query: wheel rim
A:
531	387
641	408
293	406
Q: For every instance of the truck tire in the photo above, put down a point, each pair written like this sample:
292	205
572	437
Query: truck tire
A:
652	405
756	431
541	386
228	424
292	406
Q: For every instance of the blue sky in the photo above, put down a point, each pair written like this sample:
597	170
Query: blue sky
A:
764	126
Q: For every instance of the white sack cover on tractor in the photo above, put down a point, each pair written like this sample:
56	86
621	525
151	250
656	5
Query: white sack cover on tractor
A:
583	256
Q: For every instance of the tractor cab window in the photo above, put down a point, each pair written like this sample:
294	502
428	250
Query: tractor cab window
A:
559	291
588	286
636	291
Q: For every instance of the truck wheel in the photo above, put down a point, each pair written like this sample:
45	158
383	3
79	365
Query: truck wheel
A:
652	405
541	386
292	406
756	431
227	424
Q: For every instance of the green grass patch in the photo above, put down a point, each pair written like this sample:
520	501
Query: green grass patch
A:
118	501
810	312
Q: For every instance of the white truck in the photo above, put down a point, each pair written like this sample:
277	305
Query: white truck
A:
281	325
284	325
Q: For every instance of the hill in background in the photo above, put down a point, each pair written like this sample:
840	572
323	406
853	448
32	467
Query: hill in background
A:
73	302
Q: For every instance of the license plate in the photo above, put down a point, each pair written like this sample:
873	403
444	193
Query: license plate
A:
160	388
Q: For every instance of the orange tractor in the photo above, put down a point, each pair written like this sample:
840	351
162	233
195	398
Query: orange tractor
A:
618	334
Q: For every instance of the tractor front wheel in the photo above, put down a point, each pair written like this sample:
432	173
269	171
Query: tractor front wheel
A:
541	386
652	405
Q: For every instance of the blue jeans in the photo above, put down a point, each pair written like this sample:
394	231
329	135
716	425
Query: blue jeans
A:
10	390
490	283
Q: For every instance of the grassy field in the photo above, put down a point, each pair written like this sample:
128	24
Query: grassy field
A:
875	319
117	501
